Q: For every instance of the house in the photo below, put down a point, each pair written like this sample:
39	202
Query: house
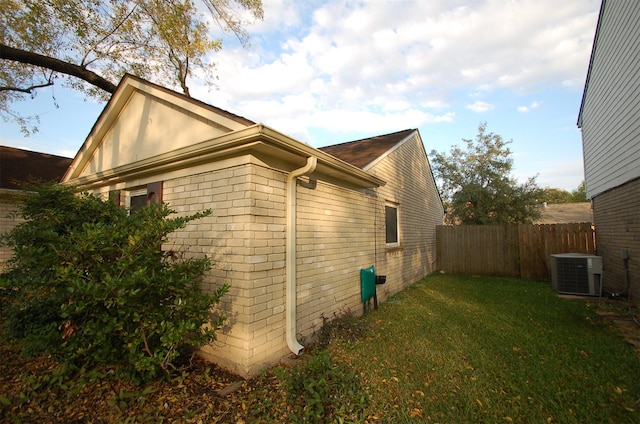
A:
610	122
292	225
17	168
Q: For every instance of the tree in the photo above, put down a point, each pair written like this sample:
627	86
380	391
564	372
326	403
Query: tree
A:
90	44
555	195
477	185
90	286
580	193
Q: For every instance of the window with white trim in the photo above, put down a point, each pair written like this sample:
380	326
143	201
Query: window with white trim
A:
391	224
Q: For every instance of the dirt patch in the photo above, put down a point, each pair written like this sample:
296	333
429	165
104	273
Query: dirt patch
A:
624	317
625	323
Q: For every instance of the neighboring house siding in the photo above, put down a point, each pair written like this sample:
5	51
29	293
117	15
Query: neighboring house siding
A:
610	123
610	119
18	168
617	221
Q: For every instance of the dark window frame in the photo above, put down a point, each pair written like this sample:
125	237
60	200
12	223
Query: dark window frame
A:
152	195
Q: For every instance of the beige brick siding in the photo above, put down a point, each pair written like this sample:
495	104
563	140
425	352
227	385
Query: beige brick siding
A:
410	184
339	232
9	200
245	237
336	238
617	221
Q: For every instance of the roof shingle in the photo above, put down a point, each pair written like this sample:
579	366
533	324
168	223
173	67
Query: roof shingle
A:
19	166
362	152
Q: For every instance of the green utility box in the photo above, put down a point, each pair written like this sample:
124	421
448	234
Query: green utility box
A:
367	283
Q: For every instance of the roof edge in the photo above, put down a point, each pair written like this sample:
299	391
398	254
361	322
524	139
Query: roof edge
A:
396	146
593	51
232	143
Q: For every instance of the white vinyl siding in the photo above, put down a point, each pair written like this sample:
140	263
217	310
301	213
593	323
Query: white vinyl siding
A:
610	115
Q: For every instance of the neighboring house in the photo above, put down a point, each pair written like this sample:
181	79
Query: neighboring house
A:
565	213
17	168
610	122
291	226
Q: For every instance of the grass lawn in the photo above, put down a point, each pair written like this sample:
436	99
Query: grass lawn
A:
450	349
454	349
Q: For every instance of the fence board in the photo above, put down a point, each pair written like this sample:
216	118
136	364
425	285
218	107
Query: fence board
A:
509	250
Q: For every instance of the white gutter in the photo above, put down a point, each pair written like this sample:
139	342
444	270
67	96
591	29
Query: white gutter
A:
291	300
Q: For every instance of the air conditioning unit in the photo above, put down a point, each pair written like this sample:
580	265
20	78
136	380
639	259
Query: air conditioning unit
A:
576	273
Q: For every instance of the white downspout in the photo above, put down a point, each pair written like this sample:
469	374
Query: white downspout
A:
291	300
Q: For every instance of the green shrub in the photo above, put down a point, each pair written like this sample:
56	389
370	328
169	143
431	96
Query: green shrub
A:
90	285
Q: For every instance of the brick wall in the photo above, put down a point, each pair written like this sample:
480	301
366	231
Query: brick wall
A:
409	184
340	231
245	237
336	238
616	216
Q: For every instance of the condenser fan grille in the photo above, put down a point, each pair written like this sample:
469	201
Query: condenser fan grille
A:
573	276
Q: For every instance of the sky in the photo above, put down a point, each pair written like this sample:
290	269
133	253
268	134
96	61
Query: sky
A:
326	72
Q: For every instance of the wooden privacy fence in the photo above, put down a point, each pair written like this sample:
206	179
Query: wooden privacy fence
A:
509	250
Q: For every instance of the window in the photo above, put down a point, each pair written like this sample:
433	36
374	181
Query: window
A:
141	198
391	224
137	202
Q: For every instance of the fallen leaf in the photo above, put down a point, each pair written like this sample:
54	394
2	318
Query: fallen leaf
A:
416	412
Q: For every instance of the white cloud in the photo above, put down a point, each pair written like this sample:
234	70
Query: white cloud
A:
373	60
480	107
524	109
445	44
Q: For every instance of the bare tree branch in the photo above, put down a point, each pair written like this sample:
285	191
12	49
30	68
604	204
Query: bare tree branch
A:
27	90
22	56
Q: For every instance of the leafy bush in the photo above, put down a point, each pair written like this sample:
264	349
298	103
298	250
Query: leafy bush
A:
90	285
